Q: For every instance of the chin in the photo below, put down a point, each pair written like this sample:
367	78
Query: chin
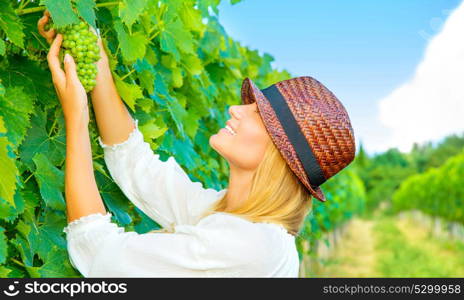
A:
215	143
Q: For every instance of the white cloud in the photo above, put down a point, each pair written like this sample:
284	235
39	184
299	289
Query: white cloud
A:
431	104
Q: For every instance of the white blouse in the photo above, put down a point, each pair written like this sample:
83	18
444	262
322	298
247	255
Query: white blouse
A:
219	245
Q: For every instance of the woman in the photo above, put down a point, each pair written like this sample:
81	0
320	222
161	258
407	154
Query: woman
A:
281	144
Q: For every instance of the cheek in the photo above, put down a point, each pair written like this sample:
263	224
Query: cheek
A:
249	147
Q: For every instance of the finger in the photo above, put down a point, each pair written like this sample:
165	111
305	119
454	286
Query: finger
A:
50	35
54	62
41	24
100	43
70	70
100	46
103	53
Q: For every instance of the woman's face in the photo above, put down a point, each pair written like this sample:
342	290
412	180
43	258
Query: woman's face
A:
244	149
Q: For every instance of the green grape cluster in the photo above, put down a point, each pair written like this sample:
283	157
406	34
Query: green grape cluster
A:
81	43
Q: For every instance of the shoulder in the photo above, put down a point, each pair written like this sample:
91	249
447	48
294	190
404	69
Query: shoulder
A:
233	224
245	242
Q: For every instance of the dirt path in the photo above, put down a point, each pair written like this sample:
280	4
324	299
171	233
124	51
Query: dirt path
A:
355	256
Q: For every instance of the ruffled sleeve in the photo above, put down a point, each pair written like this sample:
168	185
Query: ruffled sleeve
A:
85	237
161	189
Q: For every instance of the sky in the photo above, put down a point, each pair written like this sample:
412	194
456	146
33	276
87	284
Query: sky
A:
394	65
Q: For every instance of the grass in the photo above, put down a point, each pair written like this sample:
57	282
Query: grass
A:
387	246
406	250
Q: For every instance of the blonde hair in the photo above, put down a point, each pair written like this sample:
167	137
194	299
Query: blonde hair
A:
276	195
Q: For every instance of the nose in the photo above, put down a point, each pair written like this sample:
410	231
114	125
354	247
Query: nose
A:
233	111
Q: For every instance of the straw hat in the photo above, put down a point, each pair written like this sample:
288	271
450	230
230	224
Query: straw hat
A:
309	126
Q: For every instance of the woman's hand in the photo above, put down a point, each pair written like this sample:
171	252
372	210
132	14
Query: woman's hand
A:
68	87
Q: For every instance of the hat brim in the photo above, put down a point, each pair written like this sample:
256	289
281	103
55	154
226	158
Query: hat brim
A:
250	93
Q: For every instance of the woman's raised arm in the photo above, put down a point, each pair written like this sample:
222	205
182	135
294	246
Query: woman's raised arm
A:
82	196
113	120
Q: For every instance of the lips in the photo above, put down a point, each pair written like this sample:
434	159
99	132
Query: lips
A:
225	131
232	126
229	130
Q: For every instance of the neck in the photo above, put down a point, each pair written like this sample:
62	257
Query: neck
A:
239	187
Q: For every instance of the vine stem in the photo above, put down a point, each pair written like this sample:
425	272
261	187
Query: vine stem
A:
23	3
53	127
24	11
27	179
125	76
17	262
154	35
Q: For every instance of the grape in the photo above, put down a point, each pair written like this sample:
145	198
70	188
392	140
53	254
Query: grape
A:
80	42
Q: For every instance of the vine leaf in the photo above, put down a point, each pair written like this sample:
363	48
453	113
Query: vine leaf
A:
2	47
33	77
62	12
4	271
50	180
147	78
130	10
36	237
3	246
193	64
22	246
114	199
133	46
146	223
15	108
57	264
11	24
2	127
175	38
8	169
129	92
178	114
85	9
10	213
36	140
152	131
190	17
191	119
204	5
